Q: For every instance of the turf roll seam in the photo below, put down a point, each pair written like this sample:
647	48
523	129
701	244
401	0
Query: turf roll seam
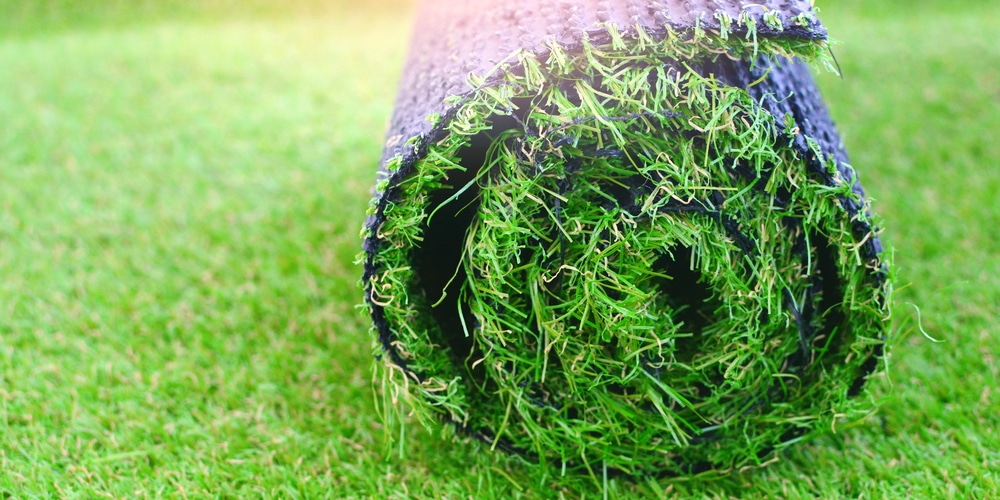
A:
622	235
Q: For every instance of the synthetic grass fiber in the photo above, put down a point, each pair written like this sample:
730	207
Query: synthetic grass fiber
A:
622	238
180	198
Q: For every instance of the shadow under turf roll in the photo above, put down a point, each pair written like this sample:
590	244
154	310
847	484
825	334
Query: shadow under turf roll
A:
622	235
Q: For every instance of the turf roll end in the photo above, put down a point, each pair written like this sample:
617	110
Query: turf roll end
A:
623	240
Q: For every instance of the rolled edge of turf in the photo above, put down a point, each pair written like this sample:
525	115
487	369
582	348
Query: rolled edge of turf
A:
739	47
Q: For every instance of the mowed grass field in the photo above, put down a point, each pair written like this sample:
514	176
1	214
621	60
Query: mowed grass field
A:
182	187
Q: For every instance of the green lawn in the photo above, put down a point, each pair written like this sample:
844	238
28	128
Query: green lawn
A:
182	187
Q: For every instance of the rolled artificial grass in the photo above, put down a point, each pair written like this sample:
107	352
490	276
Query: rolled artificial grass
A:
622	236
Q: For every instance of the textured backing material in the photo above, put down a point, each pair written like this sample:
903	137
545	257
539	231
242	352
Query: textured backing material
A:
453	39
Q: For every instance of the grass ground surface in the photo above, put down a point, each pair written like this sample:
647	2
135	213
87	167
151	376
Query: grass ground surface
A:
181	190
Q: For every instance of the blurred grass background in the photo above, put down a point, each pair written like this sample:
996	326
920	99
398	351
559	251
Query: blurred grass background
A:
182	185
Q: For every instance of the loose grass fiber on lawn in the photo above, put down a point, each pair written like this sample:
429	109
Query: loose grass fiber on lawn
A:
622	237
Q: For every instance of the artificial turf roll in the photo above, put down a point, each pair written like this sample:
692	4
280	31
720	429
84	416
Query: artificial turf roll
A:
622	235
